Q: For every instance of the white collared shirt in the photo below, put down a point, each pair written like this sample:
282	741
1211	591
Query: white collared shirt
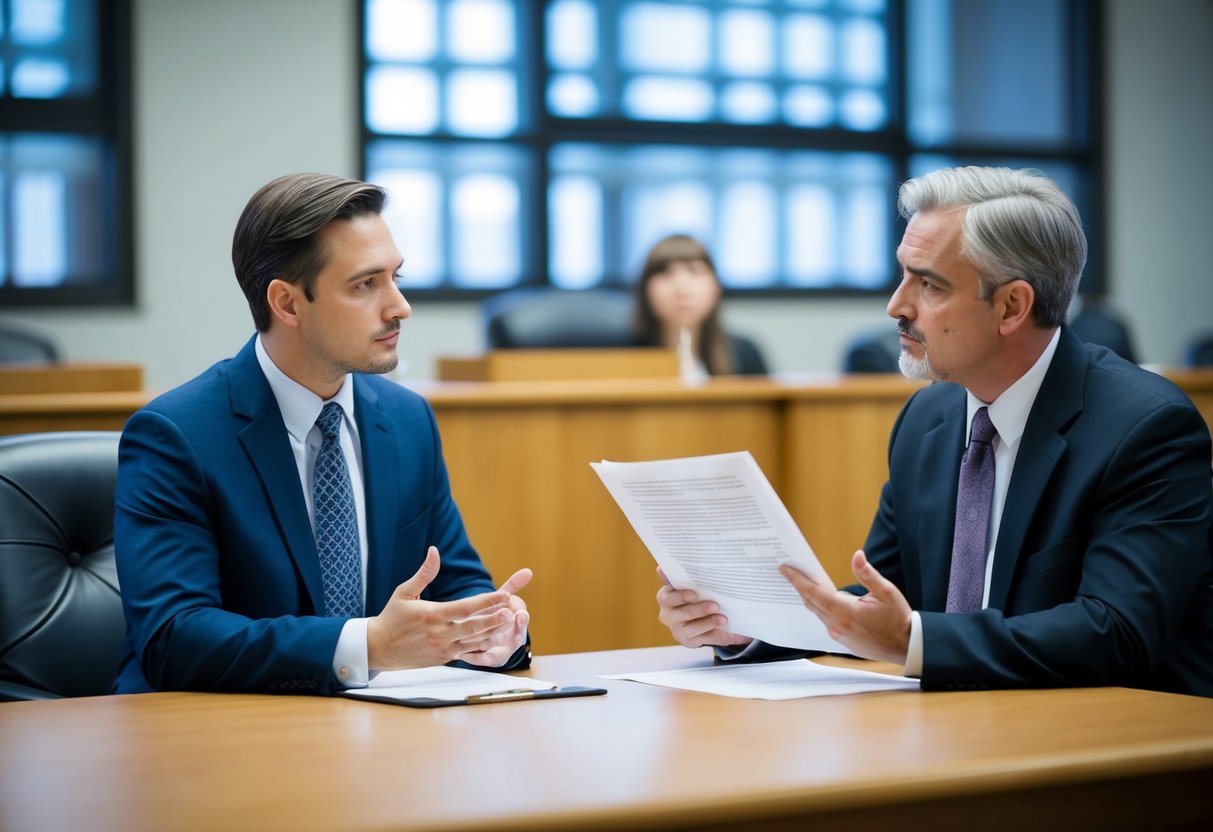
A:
300	408
1009	415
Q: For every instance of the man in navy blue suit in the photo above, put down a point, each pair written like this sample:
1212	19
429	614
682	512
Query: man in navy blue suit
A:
218	535
1087	557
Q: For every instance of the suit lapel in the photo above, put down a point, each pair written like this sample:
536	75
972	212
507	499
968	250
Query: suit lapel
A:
381	485
265	441
938	471
1042	446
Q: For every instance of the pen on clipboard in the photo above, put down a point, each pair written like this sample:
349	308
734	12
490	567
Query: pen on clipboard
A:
503	696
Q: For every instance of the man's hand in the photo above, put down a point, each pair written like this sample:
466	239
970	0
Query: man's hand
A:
874	626
501	644
694	623
482	629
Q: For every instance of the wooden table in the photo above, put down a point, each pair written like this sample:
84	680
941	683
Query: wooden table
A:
641	757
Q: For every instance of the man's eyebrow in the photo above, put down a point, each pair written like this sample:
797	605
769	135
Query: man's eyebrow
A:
935	276
371	271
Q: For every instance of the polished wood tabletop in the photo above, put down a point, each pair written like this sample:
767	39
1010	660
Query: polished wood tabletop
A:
641	757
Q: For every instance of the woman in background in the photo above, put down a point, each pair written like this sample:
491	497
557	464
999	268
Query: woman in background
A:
678	300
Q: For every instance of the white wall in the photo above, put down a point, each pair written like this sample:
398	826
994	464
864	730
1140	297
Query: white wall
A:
1159	66
230	94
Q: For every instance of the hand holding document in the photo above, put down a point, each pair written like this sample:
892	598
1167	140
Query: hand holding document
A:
715	525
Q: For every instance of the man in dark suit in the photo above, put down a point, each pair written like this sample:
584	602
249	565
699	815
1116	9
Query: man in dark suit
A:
280	518
1082	551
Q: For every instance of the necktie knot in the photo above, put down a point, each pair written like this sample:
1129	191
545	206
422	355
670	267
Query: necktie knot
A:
329	420
982	429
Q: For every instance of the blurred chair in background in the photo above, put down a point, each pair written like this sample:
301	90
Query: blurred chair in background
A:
538	318
1095	323
1200	353
21	346
61	620
873	350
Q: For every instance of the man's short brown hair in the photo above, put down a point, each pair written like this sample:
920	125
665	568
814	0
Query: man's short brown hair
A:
276	235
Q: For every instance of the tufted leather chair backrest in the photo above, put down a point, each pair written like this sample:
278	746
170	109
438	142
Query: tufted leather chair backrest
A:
61	623
874	350
553	318
23	346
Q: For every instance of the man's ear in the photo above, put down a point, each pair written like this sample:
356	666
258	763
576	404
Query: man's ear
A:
284	299
1014	301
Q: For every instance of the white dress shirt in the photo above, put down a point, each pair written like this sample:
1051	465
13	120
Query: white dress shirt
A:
1009	414
300	408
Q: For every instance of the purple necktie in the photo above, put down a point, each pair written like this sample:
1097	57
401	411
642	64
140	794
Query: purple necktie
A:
966	584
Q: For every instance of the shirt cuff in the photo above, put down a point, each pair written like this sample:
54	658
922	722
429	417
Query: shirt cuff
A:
913	666
349	659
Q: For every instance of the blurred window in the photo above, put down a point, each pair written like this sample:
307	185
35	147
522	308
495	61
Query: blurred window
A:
554	142
64	152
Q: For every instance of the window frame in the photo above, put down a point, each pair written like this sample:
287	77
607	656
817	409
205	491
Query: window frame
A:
1084	21
105	115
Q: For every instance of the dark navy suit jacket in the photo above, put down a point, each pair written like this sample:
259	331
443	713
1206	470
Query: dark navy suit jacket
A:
1102	568
216	559
1103	572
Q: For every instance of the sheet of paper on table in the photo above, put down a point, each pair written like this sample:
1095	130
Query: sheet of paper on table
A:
773	680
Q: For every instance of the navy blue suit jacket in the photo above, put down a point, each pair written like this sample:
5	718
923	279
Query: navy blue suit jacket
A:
1103	572
1102	567
216	559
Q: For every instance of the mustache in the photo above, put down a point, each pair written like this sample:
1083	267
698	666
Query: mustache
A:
391	329
907	329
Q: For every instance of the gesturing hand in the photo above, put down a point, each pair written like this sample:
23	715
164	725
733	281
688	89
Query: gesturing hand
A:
498	645
874	626
482	629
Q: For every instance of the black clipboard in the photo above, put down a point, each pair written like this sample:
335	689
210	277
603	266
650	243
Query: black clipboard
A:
509	695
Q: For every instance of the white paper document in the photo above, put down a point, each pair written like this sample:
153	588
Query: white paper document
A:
444	682
715	525
773	680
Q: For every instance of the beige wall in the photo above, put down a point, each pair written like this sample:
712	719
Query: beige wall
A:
231	93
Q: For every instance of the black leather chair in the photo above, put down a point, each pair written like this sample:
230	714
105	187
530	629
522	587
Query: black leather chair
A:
1200	351
61	623
553	318
20	346
1096	324
874	350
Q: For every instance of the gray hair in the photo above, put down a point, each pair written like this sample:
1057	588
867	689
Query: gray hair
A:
1019	225
276	235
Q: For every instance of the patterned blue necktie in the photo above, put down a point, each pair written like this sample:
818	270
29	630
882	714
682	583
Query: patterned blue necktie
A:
966	584
336	521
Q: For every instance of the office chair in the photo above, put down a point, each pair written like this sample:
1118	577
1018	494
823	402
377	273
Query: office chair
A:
1200	353
545	318
874	350
1096	324
20	346
61	621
